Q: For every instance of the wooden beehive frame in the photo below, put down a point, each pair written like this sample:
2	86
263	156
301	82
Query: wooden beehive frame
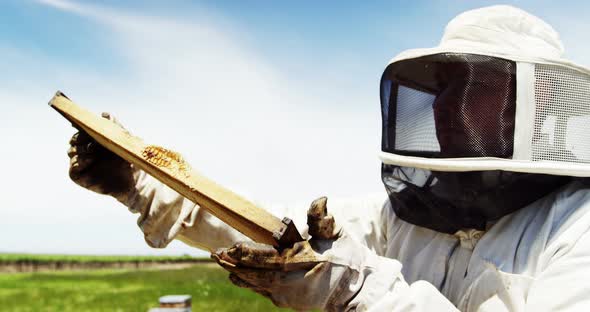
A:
169	168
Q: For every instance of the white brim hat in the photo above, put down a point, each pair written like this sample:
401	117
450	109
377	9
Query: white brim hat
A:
534	47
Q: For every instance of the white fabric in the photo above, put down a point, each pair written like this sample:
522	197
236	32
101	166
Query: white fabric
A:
487	163
510	33
502	31
165	215
536	259
525	108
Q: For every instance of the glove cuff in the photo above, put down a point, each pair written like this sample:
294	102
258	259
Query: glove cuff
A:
365	276
131	199
378	276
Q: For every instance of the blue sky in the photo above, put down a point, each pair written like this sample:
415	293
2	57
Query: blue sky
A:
278	100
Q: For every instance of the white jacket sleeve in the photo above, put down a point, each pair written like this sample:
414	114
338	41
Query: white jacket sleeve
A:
565	284
562	278
419	296
166	215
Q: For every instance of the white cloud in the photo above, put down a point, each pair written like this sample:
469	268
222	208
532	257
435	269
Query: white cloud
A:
192	86
64	5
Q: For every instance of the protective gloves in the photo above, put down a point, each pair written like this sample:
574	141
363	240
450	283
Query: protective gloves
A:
94	167
325	272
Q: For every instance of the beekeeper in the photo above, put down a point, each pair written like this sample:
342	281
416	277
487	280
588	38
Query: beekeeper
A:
484	146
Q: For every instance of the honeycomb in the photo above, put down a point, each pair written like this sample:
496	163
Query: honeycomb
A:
165	158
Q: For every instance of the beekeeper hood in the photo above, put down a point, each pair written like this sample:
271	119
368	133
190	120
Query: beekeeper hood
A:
487	122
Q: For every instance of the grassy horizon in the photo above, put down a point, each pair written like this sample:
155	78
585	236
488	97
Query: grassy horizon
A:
125	290
49	258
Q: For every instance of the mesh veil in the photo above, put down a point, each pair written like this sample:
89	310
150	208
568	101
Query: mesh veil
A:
562	115
449	105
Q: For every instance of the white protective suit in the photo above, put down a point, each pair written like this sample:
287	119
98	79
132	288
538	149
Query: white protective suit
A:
535	259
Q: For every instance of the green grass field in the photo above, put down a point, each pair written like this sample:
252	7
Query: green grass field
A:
136	290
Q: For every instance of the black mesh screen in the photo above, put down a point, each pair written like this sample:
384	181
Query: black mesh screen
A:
473	106
450	201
